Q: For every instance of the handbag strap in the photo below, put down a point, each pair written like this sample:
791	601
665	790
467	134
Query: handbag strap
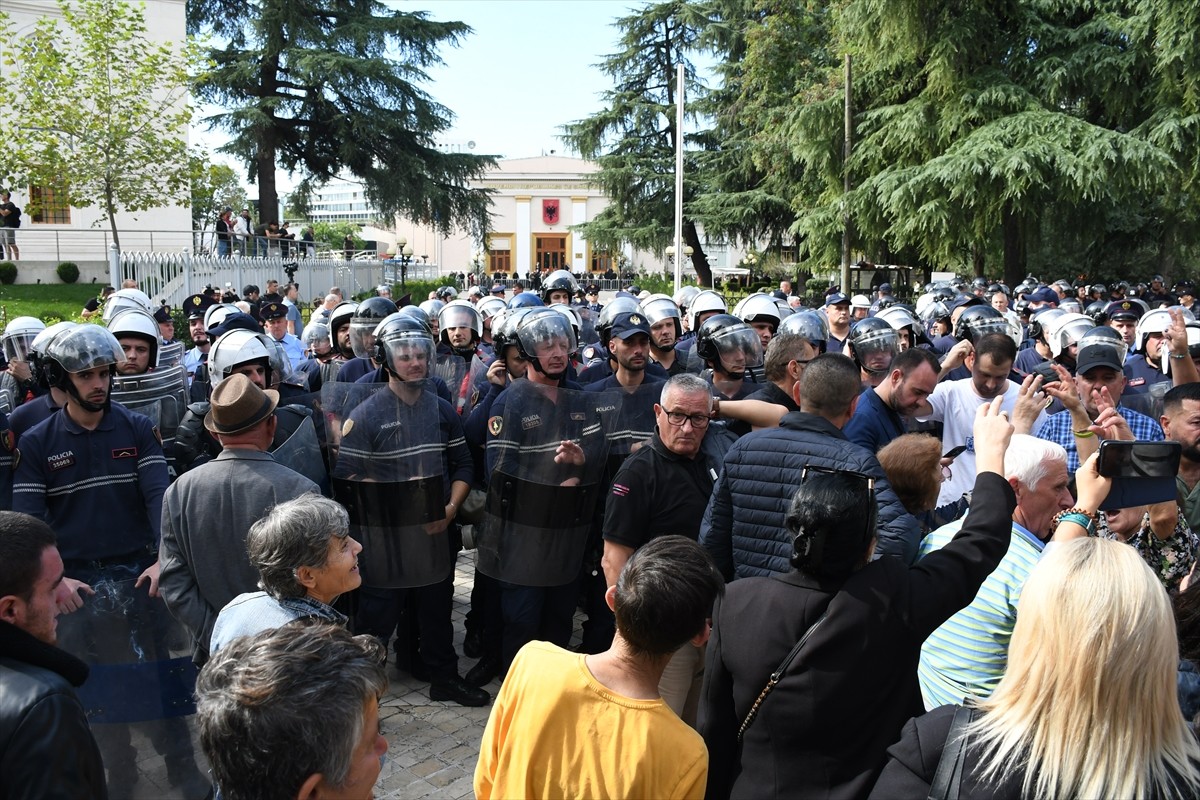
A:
947	781
777	675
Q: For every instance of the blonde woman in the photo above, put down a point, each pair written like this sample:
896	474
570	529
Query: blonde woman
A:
1088	705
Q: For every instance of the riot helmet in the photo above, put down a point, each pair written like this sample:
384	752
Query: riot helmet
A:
317	341
1102	344
446	294
559	281
461	314
19	335
404	347
705	302
366	319
489	307
658	307
84	347
809	324
758	308
37	350
728	343
239	348
339	319
873	344
1041	322
901	319
683	298
136	323
417	313
124	299
977	322
1097	310
525	300
1156	322
546	340
619	305
572	315
1065	332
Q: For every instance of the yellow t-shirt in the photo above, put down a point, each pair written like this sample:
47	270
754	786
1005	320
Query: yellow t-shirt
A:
555	731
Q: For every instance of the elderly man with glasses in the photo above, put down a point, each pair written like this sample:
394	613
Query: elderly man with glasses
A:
663	489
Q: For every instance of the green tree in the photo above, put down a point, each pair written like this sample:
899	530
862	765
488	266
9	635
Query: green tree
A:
984	132
322	87
632	138
214	187
96	110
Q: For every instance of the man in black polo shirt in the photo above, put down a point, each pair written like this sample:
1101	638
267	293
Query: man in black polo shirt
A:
662	489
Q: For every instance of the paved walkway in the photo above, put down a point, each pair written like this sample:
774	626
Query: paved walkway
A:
432	746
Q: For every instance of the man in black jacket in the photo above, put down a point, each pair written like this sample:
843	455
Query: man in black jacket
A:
48	749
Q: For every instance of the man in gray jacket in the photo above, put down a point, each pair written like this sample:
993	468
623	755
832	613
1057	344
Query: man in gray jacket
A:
743	527
208	512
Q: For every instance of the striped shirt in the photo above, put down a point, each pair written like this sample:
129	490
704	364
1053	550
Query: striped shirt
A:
967	655
1058	428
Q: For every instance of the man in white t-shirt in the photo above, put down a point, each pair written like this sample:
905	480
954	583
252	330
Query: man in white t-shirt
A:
953	403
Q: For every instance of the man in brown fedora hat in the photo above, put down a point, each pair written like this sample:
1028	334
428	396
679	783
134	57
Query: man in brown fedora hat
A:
208	511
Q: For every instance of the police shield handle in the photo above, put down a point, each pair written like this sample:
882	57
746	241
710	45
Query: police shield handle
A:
72	599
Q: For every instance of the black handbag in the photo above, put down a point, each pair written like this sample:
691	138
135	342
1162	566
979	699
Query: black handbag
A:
947	781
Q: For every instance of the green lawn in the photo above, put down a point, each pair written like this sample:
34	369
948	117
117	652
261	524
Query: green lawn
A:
48	302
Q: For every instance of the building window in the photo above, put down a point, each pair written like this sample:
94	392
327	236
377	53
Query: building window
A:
500	261
47	206
602	261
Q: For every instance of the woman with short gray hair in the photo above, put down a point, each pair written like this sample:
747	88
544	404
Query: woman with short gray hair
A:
305	559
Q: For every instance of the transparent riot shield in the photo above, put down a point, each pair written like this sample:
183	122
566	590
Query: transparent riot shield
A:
139	693
634	423
161	396
1149	402
170	354
388	471
463	378
539	510
329	370
301	450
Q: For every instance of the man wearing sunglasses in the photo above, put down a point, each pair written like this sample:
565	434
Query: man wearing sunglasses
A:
743	528
787	355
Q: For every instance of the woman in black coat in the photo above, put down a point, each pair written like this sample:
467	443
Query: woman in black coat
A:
824	729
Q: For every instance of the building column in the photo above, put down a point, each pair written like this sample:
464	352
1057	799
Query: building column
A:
522	256
579	244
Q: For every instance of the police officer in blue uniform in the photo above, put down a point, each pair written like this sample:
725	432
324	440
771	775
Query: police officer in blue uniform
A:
397	445
96	474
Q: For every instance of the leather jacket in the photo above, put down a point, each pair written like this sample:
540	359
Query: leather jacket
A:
46	746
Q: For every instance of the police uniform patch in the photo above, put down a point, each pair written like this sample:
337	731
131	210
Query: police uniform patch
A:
125	452
16	459
157	435
589	352
635	319
578	416
1136	381
347	427
6	438
495	425
61	460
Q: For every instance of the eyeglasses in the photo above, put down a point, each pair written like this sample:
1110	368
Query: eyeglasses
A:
677	418
946	473
801	361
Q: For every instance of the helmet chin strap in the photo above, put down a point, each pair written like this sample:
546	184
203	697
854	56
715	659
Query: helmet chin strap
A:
87	405
537	364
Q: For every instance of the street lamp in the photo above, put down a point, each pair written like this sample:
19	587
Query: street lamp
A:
687	252
405	251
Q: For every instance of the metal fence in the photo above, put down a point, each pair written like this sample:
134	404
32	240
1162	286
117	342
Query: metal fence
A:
172	277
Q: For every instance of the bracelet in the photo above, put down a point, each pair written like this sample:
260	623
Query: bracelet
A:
1182	356
1084	434
716	411
1080	520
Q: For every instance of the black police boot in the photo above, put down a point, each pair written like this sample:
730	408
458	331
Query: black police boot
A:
482	673
473	643
458	691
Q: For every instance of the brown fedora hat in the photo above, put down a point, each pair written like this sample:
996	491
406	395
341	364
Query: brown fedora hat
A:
238	405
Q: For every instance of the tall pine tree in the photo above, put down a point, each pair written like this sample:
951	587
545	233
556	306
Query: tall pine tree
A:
326	87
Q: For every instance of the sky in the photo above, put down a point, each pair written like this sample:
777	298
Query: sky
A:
527	69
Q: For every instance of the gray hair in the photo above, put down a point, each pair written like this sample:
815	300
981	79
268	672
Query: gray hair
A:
685	383
285	704
292	535
1026	458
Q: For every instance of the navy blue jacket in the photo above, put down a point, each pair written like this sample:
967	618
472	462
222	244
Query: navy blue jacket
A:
873	424
743	528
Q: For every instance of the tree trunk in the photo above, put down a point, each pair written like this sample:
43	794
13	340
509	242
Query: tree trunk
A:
264	160
110	210
977	260
699	259
1014	247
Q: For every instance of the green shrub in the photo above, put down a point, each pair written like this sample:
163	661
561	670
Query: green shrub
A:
8	272
68	272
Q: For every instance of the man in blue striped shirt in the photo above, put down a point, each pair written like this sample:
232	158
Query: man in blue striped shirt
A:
967	655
